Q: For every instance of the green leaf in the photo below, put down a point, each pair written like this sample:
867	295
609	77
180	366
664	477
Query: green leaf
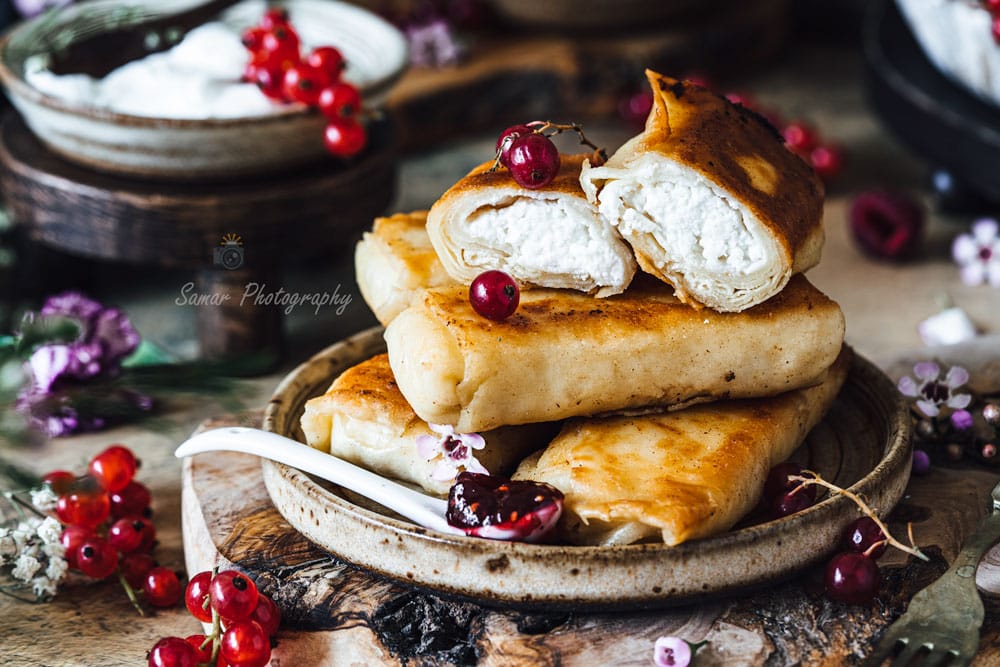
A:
41	330
147	354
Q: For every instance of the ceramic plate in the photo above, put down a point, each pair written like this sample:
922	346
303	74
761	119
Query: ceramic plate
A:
863	443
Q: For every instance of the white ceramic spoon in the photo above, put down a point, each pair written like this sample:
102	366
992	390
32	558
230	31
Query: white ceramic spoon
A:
421	509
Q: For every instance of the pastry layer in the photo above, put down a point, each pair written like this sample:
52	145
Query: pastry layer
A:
676	476
563	354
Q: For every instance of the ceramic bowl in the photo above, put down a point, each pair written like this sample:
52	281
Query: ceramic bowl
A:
863	443
193	149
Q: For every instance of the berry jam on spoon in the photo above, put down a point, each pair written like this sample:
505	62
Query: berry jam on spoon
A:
532	521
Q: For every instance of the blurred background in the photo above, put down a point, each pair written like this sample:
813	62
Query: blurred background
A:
846	82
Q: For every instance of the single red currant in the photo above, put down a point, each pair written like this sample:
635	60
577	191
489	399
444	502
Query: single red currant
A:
244	643
87	508
114	468
274	17
132	501
345	137
303	83
202	650
506	138
269	79
328	61
339	100
992	6
799	136
266	614
790	503
162	587
60	481
173	652
827	161
887	225
72	537
125	535
778	483
148	535
852	578
134	567
533	161
253	38
196	594
233	595
279	48
96	558
494	295
862	534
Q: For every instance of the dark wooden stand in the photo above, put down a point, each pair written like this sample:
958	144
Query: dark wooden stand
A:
313	210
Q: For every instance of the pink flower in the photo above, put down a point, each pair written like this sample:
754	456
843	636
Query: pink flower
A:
671	652
931	392
453	451
978	253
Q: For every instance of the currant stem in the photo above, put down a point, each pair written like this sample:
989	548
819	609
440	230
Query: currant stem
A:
130	592
913	549
598	158
20	505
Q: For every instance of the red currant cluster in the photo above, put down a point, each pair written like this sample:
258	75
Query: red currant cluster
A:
851	576
106	514
279	70
243	621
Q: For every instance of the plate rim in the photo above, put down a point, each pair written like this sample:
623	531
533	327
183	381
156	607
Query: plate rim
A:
894	460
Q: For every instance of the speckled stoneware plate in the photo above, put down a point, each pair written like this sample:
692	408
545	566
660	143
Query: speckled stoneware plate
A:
863	443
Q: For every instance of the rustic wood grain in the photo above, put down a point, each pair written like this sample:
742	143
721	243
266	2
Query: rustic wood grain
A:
359	618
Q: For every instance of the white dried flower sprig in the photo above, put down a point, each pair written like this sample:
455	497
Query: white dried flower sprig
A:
31	553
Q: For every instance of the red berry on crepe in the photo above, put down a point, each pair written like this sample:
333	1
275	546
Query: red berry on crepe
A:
533	161
494	295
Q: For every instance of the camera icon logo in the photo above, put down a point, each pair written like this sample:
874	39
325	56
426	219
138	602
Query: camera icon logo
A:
229	253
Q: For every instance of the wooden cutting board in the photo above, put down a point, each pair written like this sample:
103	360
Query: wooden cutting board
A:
337	614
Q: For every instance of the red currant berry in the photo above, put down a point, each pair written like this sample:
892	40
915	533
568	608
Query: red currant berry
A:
995	28
196	594
507	137
162	587
72	537
173	652
533	161
134	567
827	161
125	535
244	643
861	534
114	468
204	655
852	578
253	38
96	558
778	483
887	225
494	295
85	508
60	481
800	137
790	503
303	83
328	61
274	17
148	535
340	100
635	107
345	137
266	614
268	79
233	595
132	501
279	48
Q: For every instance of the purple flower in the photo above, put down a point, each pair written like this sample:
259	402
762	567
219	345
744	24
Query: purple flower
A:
453	452
116	335
432	44
978	254
671	652
931	392
72	304
29	8
961	420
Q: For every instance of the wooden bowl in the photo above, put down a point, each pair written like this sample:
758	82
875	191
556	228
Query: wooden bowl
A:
863	444
193	149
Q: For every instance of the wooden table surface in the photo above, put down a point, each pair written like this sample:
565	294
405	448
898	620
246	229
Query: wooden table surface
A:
93	623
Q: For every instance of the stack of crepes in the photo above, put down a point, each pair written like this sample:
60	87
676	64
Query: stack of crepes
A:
666	352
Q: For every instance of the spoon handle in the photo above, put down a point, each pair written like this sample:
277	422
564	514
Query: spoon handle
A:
422	509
